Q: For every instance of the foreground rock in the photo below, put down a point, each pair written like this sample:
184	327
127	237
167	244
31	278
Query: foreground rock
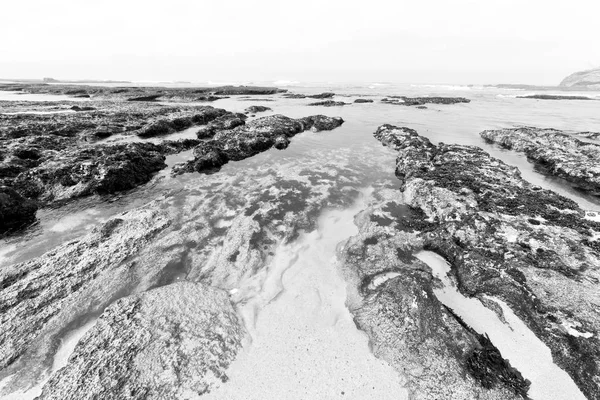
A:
172	342
420	101
407	326
511	240
358	101
555	152
250	139
589	79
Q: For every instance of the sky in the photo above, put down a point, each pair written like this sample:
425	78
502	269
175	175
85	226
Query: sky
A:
414	41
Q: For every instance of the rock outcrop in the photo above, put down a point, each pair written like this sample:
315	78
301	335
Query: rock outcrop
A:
407	326
328	103
420	101
555	152
251	138
506	238
553	97
256	109
171	342
589	79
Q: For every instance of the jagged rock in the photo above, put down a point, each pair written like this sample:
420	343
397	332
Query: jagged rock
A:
583	79
84	108
328	103
506	238
555	152
15	211
256	109
419	101
172	342
363	101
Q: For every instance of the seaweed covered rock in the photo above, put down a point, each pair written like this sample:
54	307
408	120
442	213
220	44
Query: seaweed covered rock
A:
395	305
328	103
171	342
256	109
420	101
250	139
506	238
555	152
15	211
99	169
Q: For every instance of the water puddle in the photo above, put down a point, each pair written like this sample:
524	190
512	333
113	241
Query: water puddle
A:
515	341
302	341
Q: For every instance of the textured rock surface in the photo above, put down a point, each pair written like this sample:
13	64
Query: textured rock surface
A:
555	152
584	79
252	138
168	343
406	324
509	239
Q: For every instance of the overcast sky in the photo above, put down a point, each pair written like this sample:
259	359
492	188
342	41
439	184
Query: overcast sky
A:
417	41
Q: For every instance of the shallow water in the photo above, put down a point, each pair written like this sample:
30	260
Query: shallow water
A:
347	159
516	342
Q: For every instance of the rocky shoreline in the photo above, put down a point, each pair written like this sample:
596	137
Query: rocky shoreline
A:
554	152
508	239
172	289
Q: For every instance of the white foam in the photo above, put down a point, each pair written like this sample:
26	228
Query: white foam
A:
514	339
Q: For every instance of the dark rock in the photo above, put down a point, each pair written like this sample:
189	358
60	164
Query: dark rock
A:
397	300
328	103
281	142
553	97
152	97
327	95
95	169
419	101
256	109
246	140
555	152
363	101
84	108
481	210
15	211
226	121
158	128
210	98
294	96
317	123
